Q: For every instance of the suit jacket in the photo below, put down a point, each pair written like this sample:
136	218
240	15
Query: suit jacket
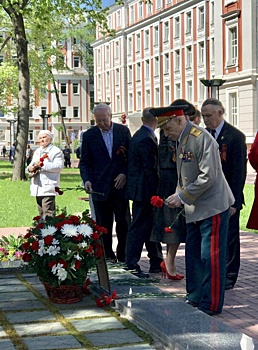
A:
142	166
253	159
233	156
203	186
96	165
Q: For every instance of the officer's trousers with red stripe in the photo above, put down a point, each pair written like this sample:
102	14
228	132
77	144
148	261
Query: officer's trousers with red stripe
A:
206	257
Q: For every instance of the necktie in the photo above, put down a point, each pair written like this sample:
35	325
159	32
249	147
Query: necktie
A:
213	132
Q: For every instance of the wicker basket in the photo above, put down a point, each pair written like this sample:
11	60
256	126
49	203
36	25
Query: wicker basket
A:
64	294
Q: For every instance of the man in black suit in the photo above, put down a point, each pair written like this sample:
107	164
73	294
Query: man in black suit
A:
103	167
142	184
233	155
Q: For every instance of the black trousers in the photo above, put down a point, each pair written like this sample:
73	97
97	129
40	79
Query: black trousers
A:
233	250
46	205
139	234
115	207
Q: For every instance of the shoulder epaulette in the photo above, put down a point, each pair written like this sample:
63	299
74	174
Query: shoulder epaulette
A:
195	132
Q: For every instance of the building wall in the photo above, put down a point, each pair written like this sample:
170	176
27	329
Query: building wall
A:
188	41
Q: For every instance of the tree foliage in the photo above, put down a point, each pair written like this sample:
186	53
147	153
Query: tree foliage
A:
32	27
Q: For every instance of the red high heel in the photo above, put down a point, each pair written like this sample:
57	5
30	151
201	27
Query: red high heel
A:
165	273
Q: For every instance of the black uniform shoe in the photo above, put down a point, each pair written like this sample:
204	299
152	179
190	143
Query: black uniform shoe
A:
192	303
155	269
209	312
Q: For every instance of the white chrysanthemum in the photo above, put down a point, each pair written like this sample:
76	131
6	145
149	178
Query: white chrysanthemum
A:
41	243
53	250
48	231
41	250
77	257
85	230
69	230
83	245
55	242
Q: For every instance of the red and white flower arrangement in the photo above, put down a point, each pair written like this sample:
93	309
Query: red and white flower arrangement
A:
62	249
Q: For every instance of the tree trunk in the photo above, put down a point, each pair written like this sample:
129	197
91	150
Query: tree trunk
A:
23	94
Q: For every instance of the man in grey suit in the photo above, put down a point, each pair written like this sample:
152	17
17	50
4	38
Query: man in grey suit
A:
206	196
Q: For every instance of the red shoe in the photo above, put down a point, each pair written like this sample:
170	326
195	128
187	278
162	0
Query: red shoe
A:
165	273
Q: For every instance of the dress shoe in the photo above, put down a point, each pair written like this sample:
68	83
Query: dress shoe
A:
192	303
209	312
140	274
165	273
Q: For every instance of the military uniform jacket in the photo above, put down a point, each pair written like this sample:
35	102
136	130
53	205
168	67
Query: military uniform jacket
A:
201	183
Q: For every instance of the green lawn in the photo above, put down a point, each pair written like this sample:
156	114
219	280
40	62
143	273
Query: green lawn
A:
17	207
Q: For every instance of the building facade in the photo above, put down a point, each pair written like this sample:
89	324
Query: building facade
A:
166	49
76	94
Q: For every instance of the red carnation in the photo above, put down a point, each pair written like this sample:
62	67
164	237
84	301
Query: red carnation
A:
63	262
74	219
40	226
48	239
35	246
98	251
28	235
103	230
90	249
99	303
61	216
37	218
108	300
26	257
114	295
78	238
156	201
25	245
51	264
168	229
77	264
95	236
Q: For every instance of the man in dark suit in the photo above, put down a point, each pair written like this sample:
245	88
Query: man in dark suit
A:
233	157
142	184
103	167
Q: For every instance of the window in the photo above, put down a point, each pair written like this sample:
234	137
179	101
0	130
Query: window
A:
189	88
156	36
1	59
166	63
75	88
140	9
129	46
149	7
109	20
107	54
188	56
201	18
201	90
212	50
138	71
30	113
132	14
158	4
212	12
76	41
138	42
167	95
147	39
43	110
76	62
233	110
201	52
156	66
107	79
177	60
139	100
157	99
130	102
130	74
75	112
118	103
177	27
118	18
147	69
166	31
227	2
63	112
63	88
31	137
117	77
147	98
169	2
232	46
177	91
188	24
116	49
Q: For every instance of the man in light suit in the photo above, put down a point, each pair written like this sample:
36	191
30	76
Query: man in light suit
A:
103	167
233	157
207	198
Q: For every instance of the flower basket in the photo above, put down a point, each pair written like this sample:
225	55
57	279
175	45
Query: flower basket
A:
64	294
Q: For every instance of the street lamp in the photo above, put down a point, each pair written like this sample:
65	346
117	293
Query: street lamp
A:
213	86
45	118
11	121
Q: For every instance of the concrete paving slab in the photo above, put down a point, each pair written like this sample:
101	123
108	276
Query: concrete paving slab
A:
32	316
132	347
123	336
6	344
92	312
21	305
39	328
67	342
12	288
17	296
2	333
97	324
